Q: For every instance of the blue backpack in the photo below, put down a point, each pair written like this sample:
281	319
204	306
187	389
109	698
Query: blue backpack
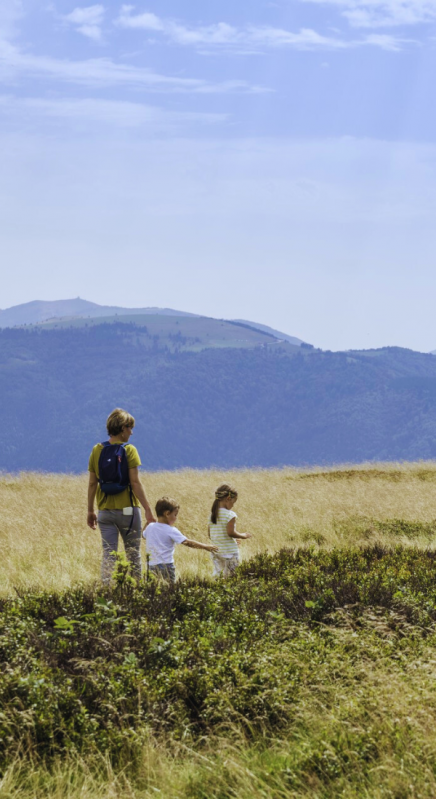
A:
113	469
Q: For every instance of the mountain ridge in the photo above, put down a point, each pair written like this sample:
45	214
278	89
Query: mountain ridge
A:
38	311
271	331
43	311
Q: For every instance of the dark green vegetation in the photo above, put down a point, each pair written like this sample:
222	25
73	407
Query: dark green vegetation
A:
327	648
265	406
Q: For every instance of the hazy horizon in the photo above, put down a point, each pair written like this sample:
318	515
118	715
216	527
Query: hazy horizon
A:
272	161
162	308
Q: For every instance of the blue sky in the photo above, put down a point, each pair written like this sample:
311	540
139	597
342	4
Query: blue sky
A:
273	161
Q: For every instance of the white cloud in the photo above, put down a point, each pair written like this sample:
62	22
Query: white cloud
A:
147	21
305	39
113	113
249	39
384	13
87	21
101	72
91	15
385	41
10	12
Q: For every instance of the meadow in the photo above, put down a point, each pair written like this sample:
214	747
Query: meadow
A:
45	543
312	673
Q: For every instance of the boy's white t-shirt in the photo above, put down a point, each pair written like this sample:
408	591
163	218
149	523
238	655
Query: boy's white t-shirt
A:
218	534
161	540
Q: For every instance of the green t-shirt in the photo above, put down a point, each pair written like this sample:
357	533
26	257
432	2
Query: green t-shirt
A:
114	501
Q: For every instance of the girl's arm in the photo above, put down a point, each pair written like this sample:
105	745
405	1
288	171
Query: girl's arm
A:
197	545
232	531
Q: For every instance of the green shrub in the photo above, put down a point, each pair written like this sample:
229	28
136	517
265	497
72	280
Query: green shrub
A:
101	668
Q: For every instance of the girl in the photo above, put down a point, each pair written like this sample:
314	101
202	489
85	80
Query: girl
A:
223	533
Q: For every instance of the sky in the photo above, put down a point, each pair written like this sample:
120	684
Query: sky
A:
269	161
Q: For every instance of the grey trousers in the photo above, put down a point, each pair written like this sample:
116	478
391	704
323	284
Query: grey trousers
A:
165	570
112	524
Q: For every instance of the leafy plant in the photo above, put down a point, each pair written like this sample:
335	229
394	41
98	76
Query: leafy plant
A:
100	667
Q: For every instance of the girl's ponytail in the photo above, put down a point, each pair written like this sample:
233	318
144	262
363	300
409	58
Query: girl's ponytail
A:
215	509
223	492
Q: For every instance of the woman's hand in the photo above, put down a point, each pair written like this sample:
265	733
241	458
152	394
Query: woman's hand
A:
149	516
92	520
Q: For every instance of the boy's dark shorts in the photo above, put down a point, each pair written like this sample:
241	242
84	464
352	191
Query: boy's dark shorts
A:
165	570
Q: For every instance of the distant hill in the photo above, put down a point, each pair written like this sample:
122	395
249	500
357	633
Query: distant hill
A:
178	333
297	342
257	406
63	312
31	313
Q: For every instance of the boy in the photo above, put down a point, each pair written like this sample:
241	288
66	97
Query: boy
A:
162	536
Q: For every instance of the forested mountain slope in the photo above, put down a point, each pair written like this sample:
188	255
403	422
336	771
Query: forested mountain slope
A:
224	407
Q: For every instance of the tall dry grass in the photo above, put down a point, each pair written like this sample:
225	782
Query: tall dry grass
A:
359	703
45	543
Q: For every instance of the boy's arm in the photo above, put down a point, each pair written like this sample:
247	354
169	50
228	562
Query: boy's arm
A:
140	493
232	531
196	545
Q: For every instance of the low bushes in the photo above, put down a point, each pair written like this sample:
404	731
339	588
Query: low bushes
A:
103	669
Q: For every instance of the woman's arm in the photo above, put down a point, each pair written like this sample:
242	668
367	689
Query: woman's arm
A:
92	490
140	493
232	531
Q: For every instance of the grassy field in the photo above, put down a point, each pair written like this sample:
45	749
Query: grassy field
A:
44	540
310	674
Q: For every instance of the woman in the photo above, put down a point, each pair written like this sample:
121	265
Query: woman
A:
118	502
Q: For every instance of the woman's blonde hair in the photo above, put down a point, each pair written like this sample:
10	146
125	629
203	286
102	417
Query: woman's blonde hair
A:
223	492
117	420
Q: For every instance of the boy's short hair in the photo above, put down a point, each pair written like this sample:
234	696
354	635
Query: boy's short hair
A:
117	420
166	504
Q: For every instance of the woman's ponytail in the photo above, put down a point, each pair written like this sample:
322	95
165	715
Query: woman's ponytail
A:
223	492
